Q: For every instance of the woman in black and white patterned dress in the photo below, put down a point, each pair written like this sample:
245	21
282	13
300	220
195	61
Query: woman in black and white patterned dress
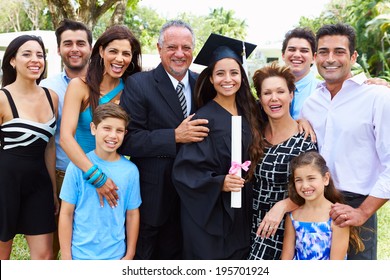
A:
275	86
27	151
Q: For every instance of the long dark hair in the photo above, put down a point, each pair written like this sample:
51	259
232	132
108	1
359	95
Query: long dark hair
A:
96	69
246	102
9	73
314	159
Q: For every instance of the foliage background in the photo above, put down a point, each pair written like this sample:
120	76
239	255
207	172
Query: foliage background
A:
370	18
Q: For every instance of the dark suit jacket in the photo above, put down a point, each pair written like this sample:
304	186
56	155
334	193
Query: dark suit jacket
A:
152	103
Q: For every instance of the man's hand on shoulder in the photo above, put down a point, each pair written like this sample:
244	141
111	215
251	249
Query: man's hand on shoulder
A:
378	81
191	130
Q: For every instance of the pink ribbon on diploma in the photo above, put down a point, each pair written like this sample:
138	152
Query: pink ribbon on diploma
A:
236	166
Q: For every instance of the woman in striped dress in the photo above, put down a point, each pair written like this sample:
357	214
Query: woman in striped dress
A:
27	151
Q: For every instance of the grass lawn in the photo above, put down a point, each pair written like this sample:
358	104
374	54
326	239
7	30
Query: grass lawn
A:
20	249
384	232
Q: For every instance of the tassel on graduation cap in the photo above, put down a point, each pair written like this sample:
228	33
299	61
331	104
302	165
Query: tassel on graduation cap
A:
244	64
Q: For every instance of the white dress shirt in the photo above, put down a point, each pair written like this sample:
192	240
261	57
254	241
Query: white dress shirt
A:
353	135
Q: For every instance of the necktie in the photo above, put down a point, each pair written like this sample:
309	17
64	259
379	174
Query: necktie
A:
182	98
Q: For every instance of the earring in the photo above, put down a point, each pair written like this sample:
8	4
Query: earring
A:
133	67
101	62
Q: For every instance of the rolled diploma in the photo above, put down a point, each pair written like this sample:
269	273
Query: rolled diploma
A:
236	156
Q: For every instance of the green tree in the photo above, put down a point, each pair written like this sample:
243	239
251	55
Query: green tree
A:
146	24
88	12
98	14
219	21
21	15
224	22
380	26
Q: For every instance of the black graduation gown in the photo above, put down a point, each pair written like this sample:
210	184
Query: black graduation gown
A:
211	228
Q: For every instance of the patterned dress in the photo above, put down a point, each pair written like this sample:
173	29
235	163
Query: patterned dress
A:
312	240
270	186
26	191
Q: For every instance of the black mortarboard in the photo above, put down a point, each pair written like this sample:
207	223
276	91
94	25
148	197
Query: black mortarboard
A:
218	47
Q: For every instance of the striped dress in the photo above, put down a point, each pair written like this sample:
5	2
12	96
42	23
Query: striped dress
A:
26	192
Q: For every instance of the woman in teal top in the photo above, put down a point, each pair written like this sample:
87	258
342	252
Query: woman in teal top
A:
83	134
116	55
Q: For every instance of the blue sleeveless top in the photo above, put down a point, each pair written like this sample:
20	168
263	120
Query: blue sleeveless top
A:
312	240
83	132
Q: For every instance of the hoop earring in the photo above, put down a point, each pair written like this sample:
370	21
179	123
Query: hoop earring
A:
133	67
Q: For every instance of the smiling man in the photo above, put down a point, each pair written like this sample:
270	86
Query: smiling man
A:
159	126
74	45
352	123
298	53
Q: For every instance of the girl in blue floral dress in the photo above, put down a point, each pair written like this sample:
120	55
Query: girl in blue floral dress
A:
309	231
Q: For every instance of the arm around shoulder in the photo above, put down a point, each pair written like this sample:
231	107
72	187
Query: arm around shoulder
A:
76	94
370	205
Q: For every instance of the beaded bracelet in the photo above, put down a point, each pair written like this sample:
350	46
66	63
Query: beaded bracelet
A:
90	172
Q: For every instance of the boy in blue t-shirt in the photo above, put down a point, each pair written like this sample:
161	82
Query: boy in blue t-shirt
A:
90	232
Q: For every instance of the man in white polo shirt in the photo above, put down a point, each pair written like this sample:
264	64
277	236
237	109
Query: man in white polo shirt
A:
352	123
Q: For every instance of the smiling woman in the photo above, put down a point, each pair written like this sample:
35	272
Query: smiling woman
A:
212	229
274	85
48	37
116	55
27	153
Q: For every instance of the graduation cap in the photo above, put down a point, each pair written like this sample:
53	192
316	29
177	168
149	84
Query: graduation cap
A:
218	47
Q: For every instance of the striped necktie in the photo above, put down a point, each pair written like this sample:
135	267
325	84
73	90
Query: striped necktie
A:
182	98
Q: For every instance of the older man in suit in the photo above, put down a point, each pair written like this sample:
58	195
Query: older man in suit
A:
160	122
